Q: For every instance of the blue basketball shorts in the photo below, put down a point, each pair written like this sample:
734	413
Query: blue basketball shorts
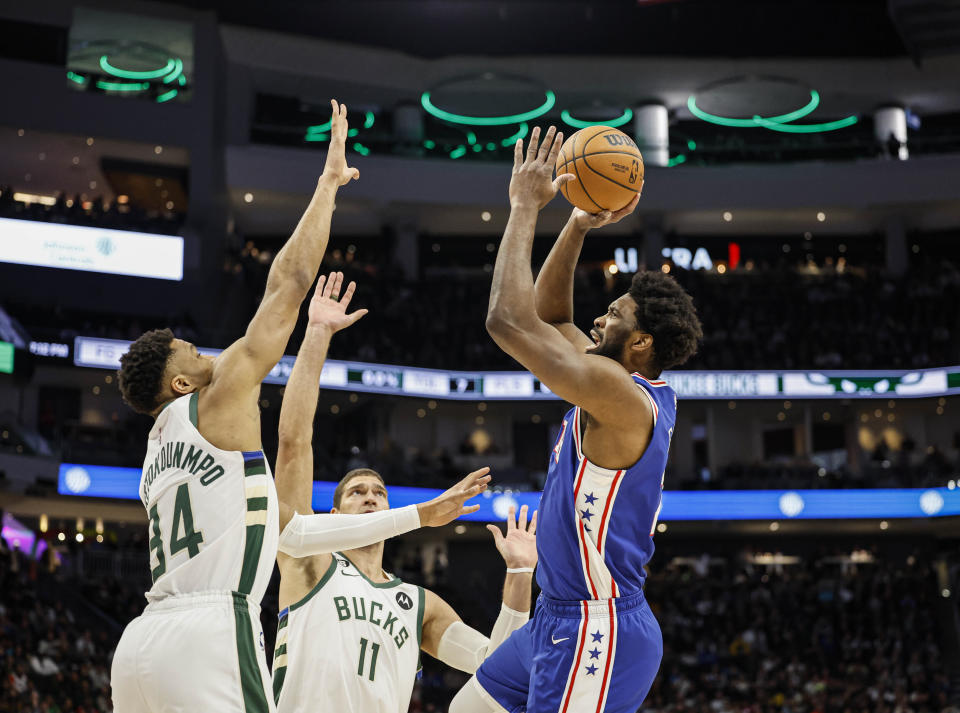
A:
577	656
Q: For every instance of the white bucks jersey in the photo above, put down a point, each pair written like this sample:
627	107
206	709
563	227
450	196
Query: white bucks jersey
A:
350	645
214	522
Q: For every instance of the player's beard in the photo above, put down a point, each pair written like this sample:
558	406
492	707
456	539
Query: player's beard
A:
611	348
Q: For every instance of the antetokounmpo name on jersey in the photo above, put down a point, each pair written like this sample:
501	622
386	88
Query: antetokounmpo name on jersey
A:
372	611
177	454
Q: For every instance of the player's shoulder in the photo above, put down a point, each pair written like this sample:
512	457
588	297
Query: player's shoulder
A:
658	388
646	382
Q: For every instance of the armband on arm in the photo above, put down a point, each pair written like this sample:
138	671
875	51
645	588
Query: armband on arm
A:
464	648
307	535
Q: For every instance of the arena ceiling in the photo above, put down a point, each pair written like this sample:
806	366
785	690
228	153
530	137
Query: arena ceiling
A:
687	28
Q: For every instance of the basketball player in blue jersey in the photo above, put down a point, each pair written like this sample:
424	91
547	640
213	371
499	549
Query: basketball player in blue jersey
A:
593	643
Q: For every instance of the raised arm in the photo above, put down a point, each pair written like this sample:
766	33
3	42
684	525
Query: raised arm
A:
248	360
447	638
294	471
598	384
554	285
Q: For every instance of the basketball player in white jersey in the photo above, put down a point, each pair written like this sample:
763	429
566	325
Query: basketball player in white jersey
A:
198	646
350	634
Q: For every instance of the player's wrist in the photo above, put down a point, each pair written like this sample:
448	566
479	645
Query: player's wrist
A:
328	181
425	513
520	566
526	204
320	331
581	223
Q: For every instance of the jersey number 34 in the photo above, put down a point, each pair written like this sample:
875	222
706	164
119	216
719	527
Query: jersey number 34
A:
182	521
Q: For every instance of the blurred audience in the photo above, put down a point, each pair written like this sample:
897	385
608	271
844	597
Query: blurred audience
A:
753	632
818	635
93	212
779	318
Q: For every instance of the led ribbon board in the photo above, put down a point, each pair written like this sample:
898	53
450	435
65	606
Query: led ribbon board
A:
678	505
75	247
523	386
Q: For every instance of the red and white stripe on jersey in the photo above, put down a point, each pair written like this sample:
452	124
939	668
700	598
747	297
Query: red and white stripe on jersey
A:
595	490
652	382
604	528
588	681
653	404
608	666
586	545
576	432
559	446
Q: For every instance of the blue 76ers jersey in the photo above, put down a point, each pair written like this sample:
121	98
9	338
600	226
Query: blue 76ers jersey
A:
596	525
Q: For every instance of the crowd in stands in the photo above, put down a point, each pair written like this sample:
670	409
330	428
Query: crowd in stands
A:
934	470
864	320
775	316
56	658
93	212
778	318
801	638
828	631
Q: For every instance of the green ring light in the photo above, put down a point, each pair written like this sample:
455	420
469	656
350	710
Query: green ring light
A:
570	120
514	138
129	74
318	132
752	122
776	123
806	128
438	113
122	86
177	73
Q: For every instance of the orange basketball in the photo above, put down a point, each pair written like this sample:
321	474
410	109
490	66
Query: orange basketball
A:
607	165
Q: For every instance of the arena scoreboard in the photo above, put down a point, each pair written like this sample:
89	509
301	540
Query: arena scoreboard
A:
521	385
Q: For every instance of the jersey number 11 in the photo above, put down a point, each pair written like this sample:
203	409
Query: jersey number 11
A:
374	651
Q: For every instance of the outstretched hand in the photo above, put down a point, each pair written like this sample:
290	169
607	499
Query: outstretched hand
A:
327	309
519	547
588	221
449	505
336	165
532	182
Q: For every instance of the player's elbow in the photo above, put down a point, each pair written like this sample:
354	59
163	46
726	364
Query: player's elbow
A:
500	326
293	438
289	275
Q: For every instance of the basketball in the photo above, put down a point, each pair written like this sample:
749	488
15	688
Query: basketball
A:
607	166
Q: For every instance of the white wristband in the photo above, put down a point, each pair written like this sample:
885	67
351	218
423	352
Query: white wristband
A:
518	570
